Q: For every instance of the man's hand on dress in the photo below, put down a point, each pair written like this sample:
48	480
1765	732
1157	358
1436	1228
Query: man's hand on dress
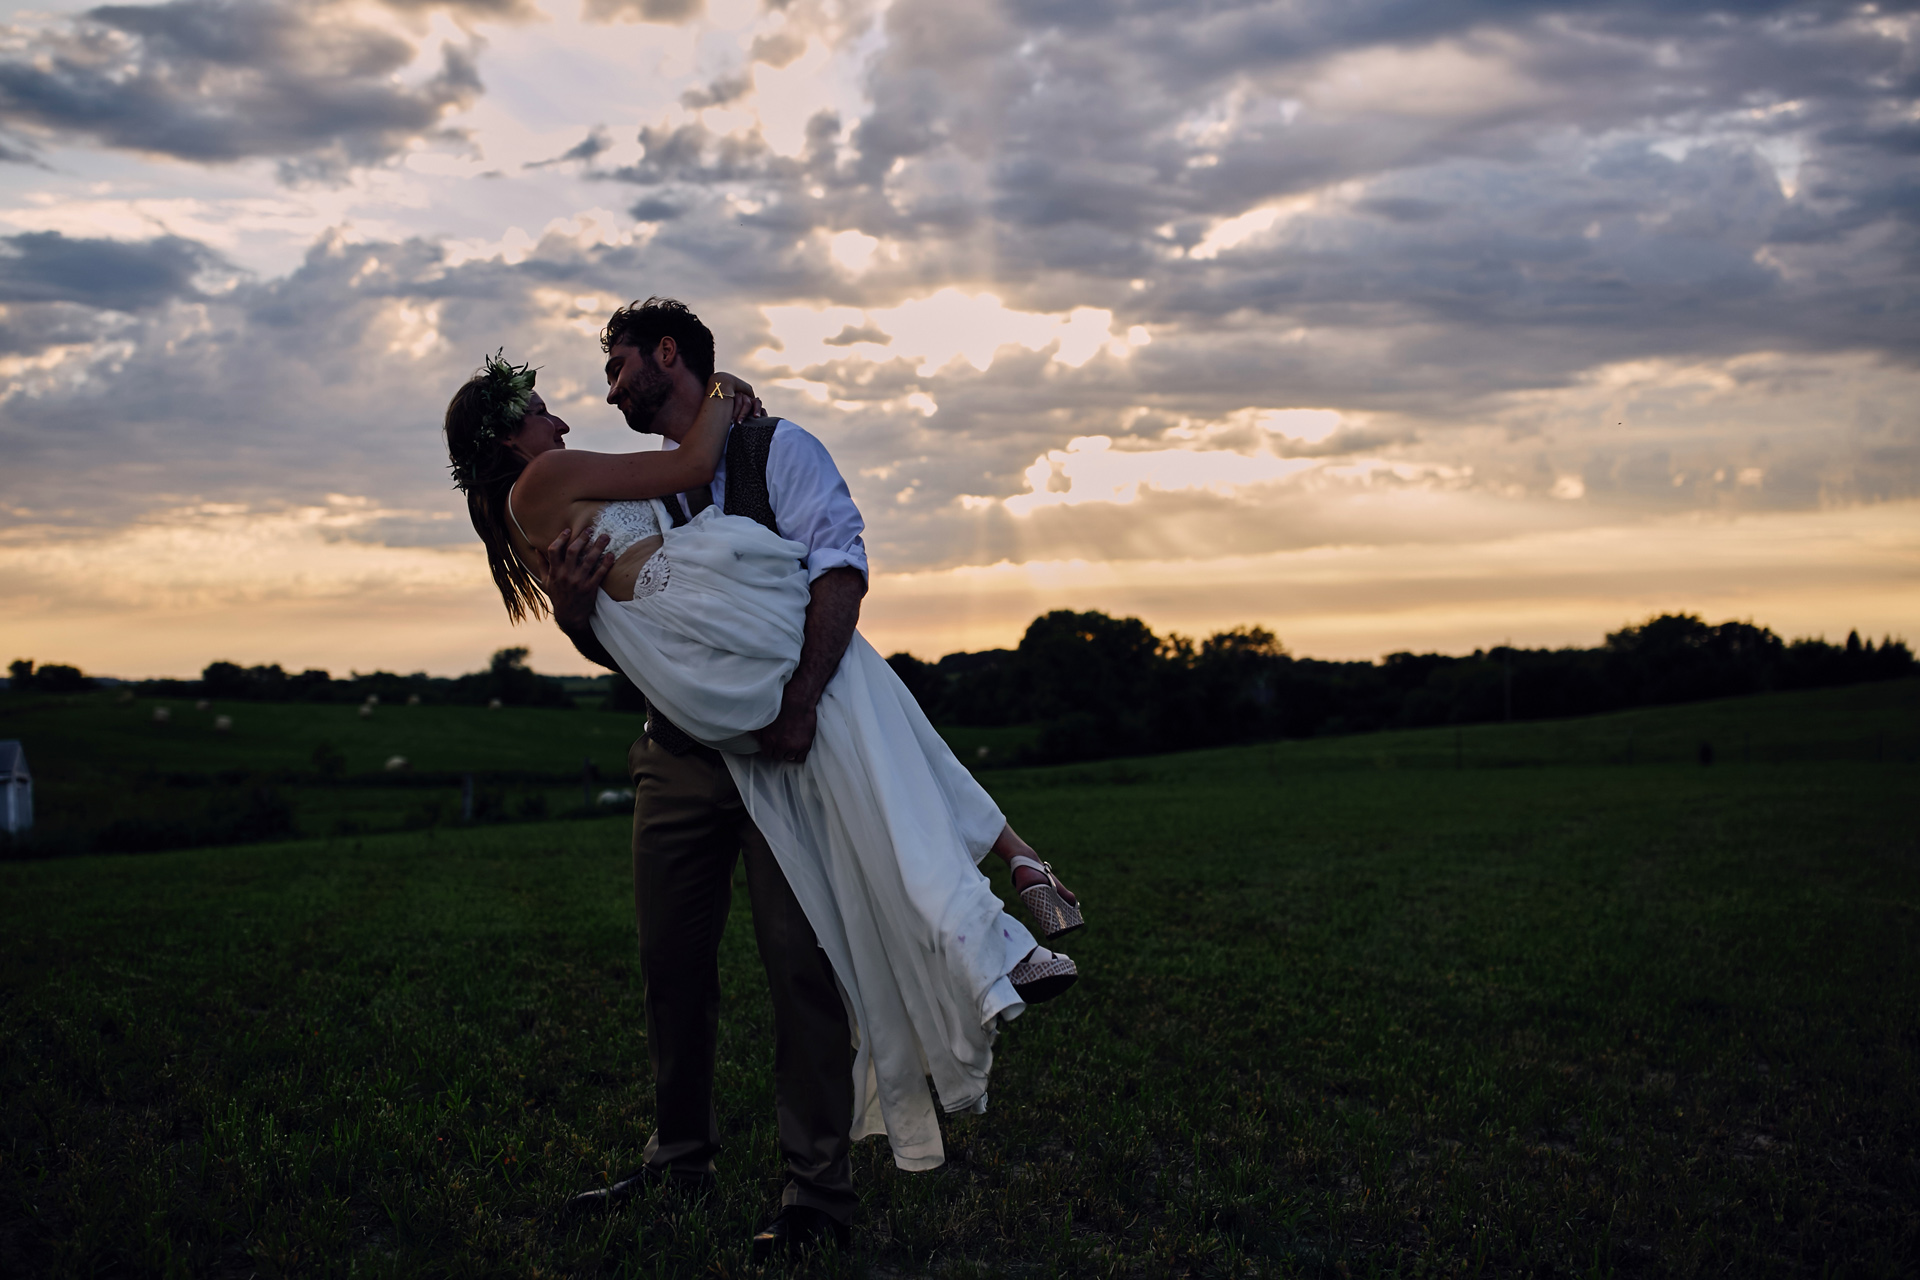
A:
790	736
832	614
575	568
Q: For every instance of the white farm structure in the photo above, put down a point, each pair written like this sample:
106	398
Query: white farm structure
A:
16	805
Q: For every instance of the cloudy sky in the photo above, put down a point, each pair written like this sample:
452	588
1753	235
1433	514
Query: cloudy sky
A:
1384	324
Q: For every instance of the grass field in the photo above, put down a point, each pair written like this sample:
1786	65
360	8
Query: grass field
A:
99	759
102	759
1528	1000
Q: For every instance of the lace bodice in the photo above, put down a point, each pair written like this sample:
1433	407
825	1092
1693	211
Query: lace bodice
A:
626	523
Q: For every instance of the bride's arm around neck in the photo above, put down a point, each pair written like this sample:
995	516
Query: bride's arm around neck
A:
560	477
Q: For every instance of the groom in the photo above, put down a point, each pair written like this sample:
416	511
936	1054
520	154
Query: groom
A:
689	824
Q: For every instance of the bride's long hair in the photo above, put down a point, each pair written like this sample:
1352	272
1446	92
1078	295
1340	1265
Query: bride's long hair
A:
493	468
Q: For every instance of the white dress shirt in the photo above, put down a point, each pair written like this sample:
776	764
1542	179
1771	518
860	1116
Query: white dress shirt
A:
811	504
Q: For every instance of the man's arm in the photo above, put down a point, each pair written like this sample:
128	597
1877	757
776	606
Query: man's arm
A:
832	614
575	569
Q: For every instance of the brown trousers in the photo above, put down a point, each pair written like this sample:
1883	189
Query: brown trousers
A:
689	825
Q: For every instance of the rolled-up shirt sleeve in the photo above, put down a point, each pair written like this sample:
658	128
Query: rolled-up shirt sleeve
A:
811	503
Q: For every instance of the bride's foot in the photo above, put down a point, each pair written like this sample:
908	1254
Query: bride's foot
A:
1053	906
1043	975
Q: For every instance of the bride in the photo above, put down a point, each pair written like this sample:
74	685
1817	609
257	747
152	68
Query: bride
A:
879	830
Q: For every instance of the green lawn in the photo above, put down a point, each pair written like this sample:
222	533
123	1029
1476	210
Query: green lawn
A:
98	758
101	758
1495	1003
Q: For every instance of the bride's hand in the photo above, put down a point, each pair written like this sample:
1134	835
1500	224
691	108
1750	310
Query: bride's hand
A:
745	403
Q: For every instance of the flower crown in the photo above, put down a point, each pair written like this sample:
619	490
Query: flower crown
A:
505	389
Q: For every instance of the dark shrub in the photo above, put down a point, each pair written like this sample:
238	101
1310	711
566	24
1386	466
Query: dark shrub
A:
329	761
232	817
622	695
262	814
923	681
509	679
54	677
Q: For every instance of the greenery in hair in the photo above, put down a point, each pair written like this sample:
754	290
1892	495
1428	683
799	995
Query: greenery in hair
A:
504	390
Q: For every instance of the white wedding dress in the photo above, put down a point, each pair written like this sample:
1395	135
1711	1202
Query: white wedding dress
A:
880	831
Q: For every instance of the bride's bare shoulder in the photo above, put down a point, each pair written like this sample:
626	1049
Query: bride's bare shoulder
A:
552	473
556	464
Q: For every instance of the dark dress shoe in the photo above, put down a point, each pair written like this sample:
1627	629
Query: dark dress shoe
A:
641	1179
798	1229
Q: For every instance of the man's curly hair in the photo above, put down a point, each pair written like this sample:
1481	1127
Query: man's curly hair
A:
643	324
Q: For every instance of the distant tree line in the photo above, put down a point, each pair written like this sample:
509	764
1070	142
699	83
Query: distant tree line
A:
51	678
507	679
1101	686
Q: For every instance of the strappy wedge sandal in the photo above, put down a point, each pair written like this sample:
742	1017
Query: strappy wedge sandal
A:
1043	975
1054	914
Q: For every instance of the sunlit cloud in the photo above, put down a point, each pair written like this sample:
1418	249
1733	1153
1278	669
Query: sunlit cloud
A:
1447	79
939	329
854	250
1231	233
785	98
1308	426
1090	469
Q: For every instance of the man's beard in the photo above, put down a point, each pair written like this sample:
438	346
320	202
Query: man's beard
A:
648	396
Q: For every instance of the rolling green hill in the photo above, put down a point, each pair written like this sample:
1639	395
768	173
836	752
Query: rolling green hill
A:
100	760
108	775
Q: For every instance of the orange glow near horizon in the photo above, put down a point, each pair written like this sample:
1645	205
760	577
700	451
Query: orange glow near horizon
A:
301	600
